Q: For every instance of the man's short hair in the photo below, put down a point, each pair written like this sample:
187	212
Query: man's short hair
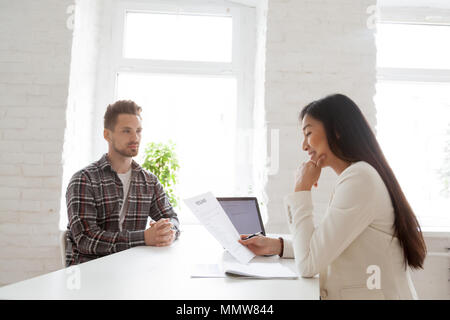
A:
120	107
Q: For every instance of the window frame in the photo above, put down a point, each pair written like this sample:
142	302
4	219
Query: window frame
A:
413	16
241	66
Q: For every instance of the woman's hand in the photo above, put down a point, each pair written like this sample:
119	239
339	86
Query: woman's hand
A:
308	174
261	245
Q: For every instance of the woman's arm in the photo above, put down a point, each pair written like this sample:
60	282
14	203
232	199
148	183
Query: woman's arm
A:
349	213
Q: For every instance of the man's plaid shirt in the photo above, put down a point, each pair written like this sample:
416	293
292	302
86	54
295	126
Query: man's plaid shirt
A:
94	198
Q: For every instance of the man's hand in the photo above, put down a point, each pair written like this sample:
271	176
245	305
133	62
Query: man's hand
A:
159	234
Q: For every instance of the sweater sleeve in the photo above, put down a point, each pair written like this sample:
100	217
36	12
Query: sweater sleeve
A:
288	250
348	214
162	208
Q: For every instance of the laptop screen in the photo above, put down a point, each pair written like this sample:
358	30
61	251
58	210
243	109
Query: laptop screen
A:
244	214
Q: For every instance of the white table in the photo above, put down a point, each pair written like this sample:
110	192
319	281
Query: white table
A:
160	273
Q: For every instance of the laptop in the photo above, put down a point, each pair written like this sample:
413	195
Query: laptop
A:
244	214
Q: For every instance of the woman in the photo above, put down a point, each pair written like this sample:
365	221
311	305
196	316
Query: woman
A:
369	236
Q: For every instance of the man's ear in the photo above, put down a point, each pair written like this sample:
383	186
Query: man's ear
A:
106	134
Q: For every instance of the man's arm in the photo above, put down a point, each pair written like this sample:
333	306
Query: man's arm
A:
161	208
82	214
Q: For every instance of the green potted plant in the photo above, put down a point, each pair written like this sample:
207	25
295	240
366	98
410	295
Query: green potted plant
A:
161	160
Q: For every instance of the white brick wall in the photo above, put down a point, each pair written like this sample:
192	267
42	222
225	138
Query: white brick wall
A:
35	47
313	48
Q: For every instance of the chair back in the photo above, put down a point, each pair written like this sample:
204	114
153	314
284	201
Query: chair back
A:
62	247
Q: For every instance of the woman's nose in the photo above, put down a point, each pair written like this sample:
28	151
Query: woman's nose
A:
305	145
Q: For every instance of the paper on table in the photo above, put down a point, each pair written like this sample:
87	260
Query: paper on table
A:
256	270
262	270
207	271
210	213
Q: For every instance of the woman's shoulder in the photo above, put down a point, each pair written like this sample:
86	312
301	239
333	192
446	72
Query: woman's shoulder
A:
360	182
360	167
362	171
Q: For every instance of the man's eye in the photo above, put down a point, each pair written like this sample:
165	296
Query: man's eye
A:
308	133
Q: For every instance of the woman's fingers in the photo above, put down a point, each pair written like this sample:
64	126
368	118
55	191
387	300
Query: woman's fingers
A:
259	245
320	161
252	241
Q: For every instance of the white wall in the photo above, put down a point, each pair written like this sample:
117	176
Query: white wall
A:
433	281
313	48
35	46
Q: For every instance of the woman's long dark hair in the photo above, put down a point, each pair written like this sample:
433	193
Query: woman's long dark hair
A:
351	139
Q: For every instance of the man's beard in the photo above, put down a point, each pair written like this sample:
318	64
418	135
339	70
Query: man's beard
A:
126	152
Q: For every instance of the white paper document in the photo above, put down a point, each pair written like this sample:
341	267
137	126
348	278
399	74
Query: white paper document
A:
210	213
259	270
255	270
207	271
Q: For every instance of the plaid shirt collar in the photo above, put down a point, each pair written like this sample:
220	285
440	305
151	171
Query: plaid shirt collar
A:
105	164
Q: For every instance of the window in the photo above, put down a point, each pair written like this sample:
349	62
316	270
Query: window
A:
177	37
413	115
413	46
185	67
198	113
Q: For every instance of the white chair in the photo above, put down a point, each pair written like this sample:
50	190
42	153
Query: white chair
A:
62	247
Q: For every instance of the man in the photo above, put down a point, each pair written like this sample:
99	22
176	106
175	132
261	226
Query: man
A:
109	201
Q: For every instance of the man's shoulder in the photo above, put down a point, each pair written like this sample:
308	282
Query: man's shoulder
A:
147	176
90	172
